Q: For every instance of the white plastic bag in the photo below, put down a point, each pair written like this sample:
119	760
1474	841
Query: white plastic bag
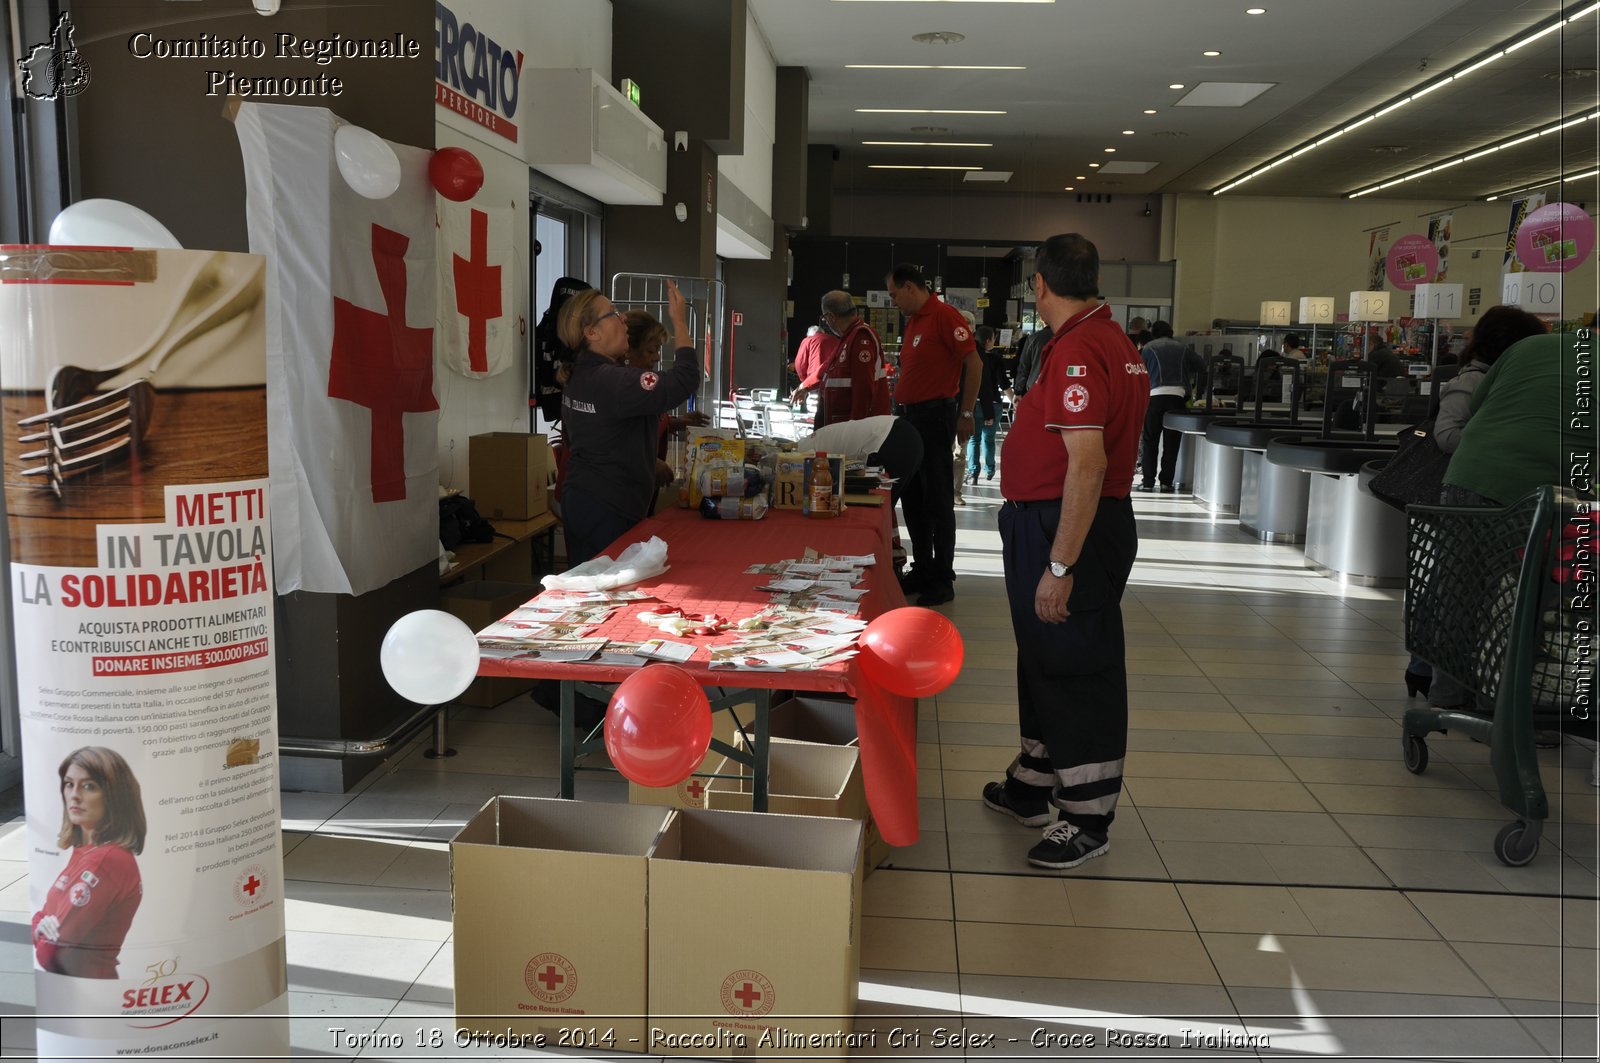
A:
638	562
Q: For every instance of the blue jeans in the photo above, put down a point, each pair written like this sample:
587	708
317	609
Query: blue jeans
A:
982	435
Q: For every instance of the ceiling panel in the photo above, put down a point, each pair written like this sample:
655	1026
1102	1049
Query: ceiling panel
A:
1094	67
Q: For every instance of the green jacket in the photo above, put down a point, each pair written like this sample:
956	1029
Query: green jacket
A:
1532	420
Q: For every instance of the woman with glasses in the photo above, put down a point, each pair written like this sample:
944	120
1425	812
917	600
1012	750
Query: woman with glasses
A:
610	414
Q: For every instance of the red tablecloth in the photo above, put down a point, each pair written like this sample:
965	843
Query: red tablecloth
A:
707	561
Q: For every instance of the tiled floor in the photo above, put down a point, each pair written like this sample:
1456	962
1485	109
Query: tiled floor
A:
1278	883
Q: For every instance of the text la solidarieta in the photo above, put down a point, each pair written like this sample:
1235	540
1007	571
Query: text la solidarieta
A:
321	51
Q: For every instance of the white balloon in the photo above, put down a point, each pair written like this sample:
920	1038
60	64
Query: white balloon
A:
366	162
429	657
109	223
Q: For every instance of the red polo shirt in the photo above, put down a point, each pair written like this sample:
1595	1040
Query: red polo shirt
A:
1091	377
933	348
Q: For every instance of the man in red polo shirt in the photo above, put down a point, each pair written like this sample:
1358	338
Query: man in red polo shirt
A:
1068	542
936	343
855	383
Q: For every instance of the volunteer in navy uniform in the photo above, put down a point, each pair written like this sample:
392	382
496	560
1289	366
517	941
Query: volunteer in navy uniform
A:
936	343
88	909
1068	541
610	417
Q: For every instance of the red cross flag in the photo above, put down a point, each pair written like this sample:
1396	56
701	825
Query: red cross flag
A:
351	299
478	287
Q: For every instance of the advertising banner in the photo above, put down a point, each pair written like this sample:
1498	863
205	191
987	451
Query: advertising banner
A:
1520	209
141	587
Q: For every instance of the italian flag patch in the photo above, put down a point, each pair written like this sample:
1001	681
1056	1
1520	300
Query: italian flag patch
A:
1077	370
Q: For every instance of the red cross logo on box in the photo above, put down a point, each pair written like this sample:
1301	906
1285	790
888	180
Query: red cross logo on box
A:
748	993
551	977
380	362
695	788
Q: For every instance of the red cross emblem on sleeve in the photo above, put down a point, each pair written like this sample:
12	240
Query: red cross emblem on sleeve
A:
478	293
380	362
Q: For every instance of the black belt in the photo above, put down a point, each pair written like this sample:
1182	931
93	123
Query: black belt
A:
1038	503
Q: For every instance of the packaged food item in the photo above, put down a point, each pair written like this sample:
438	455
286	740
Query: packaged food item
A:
789	480
822	475
704	449
819	487
733	508
724	479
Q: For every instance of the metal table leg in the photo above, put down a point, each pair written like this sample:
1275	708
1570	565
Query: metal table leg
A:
763	738
569	720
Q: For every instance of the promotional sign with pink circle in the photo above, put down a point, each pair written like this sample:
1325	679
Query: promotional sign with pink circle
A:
1555	238
1412	261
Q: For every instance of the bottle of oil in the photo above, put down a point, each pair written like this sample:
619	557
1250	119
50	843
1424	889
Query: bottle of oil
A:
819	491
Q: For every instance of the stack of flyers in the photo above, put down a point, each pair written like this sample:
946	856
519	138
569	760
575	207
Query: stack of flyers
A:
563	599
543	650
555	614
782	638
665	650
621	654
515	630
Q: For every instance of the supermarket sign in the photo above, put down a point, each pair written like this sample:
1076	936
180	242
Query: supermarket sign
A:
474	74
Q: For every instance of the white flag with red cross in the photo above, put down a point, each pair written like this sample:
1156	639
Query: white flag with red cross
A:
478	288
352	418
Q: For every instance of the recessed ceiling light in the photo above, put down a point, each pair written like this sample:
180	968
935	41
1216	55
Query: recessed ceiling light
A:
1080	177
1092	165
1174	86
1255	11
1110	150
1149	110
1069	188
1127	132
1211	54
915	110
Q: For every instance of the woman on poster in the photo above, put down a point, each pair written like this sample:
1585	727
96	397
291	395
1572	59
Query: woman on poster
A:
87	911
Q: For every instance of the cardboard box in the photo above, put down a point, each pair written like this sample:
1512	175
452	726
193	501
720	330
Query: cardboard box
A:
479	603
789	480
803	779
550	910
778	975
691	792
508	474
827	721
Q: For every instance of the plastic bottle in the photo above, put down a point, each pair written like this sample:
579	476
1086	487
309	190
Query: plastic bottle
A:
819	490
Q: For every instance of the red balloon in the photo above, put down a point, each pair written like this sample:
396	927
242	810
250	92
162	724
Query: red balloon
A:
911	651
658	726
456	173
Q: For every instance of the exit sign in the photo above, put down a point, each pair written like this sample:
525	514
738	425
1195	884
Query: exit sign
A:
630	89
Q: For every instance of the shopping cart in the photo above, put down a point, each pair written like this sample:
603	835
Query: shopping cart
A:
1501	600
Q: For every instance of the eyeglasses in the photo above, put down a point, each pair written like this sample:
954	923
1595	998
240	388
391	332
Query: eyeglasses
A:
602	317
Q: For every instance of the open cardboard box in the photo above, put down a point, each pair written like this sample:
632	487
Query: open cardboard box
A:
550	908
828	721
755	935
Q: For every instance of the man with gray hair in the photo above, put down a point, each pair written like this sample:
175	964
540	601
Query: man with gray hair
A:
855	381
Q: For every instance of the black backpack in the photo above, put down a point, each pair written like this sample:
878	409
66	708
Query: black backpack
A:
549	353
459	522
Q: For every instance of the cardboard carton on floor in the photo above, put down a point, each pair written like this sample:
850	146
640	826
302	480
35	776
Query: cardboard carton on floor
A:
803	779
691	792
508	474
780	977
827	721
479	603
550	913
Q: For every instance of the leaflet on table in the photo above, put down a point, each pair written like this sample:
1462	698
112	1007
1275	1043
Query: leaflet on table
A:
594	614
666	650
542	649
562	599
510	630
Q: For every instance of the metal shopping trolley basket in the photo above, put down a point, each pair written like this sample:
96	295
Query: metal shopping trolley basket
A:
1501	600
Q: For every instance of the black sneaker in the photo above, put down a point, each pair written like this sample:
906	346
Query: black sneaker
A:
1167	489
1035	813
1144	488
1066	846
914	580
937	595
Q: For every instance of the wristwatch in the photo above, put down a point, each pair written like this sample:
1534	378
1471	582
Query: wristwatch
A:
1061	570
966	415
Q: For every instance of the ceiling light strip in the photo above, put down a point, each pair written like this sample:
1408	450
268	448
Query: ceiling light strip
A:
924	66
1396	104
1542	184
894	166
1480	153
916	110
925	144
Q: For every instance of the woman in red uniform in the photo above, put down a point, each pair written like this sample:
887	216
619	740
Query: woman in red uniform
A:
90	905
